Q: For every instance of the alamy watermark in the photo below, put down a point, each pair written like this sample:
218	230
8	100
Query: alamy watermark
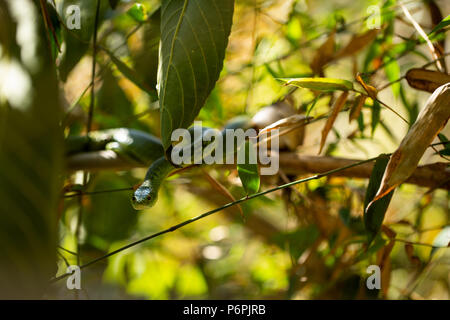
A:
74	280
73	17
374	17
374	280
212	146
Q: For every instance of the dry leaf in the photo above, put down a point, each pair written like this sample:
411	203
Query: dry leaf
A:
337	107
371	91
221	189
436	18
357	43
324	54
405	159
422	33
384	262
426	80
295	120
409	250
269	115
357	107
391	234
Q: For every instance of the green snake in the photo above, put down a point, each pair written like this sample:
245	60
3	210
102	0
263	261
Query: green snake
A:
142	148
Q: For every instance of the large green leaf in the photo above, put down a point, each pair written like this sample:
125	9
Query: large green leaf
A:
194	37
30	158
374	215
145	60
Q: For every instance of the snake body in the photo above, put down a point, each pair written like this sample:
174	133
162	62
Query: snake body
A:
134	145
146	195
142	148
146	149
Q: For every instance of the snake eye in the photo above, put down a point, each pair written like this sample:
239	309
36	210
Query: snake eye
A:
149	198
134	198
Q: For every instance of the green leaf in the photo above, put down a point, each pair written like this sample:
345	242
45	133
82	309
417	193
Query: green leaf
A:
299	240
132	75
113	108
322	84
374	215
145	60
99	223
138	12
248	168
77	41
445	152
194	37
442	138
392	70
376	110
441	25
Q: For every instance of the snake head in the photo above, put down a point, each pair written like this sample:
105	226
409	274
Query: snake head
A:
144	197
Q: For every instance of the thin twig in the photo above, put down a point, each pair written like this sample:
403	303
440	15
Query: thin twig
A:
88	129
387	85
67	250
418	243
77	194
204	215
94	63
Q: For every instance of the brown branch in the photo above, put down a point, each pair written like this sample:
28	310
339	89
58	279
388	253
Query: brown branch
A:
431	175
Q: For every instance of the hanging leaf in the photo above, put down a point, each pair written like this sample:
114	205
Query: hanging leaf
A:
248	168
321	84
194	36
384	262
324	54
357	107
406	158
414	259
371	91
374	215
426	80
376	111
337	107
